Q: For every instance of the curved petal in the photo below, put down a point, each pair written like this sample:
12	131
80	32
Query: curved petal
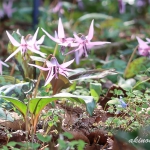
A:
148	40
142	44
12	40
14	53
61	33
23	42
69	44
4	63
49	77
66	64
80	47
41	40
35	35
52	38
97	43
42	68
56	35
91	31
49	64
36	51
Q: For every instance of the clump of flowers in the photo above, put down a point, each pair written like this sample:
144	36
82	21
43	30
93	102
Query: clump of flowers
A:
83	44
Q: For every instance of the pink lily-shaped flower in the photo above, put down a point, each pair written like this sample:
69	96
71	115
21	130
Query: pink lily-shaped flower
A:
143	47
84	43
1	66
60	37
54	69
8	10
24	45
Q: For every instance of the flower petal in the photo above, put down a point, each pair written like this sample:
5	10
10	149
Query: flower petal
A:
148	40
14	53
49	77
69	44
41	40
78	39
91	31
42	68
56	35
61	33
80	47
52	38
77	58
4	63
54	61
142	44
12	40
66	64
36	51
35	35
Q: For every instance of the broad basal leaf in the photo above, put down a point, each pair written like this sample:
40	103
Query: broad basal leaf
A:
37	104
17	103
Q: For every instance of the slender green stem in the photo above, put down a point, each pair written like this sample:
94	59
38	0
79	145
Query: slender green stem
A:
140	83
130	60
38	81
55	50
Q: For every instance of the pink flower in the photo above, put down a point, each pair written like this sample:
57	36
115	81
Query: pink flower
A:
143	47
60	38
24	45
1	66
84	43
8	10
54	69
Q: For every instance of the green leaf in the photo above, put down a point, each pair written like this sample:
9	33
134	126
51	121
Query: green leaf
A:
68	135
94	16
95	89
38	103
17	103
135	67
11	144
43	138
111	102
92	74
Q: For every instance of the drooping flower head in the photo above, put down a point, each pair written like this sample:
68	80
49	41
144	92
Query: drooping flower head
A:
84	43
59	38
1	66
30	44
143	47
54	69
